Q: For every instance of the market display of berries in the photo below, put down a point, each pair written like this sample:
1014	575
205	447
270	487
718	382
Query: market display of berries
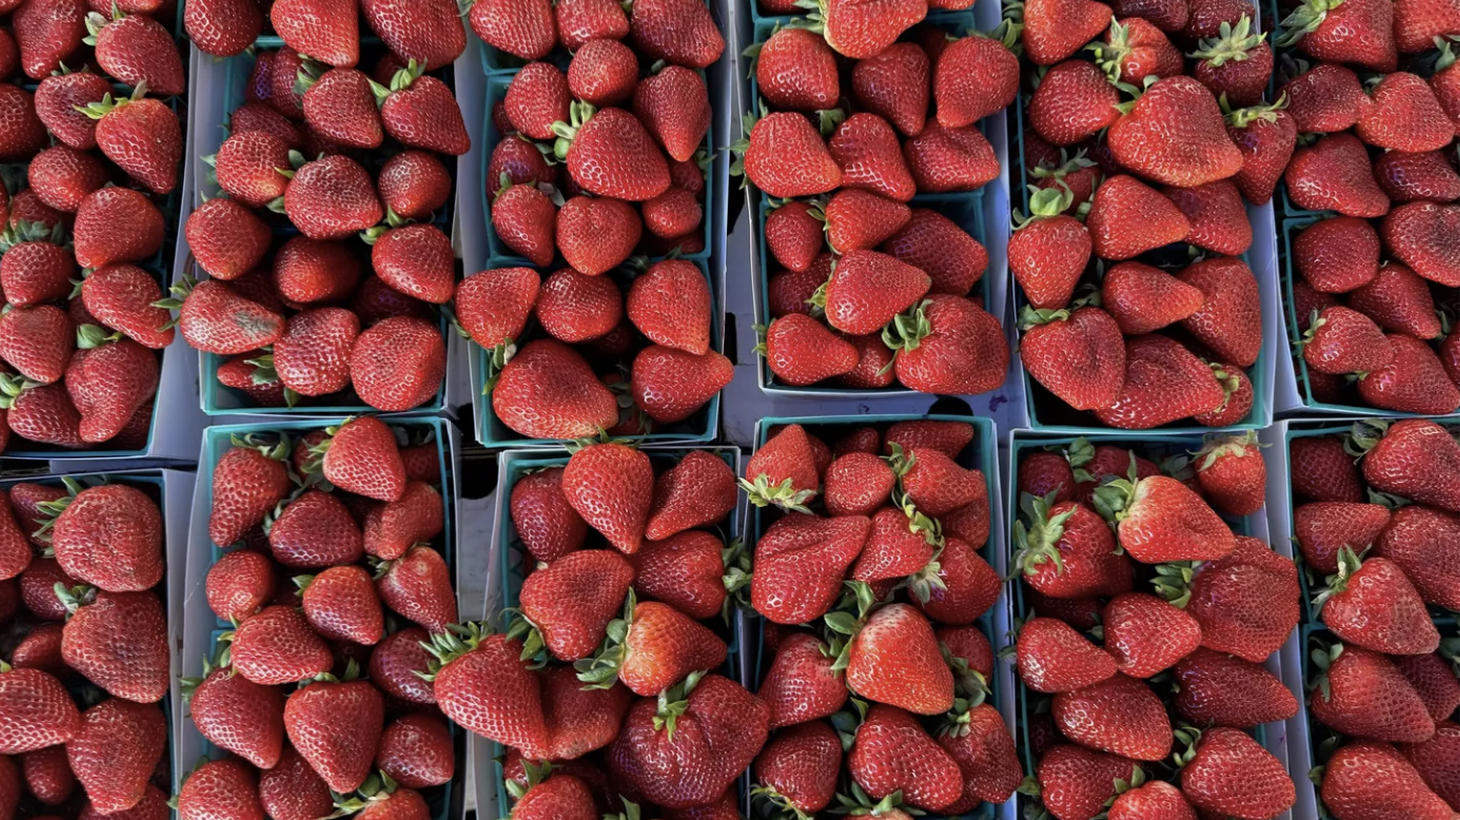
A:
869	574
83	621
326	248
1371	190
1141	704
90	108
609	689
331	582
861	112
1138	307
1382	688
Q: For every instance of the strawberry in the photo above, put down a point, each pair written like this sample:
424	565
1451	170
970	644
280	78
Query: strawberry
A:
56	100
1157	800
798	768
951	258
1342	341
326	30
109	383
893	84
1052	657
893	658
1337	255
291	790
35	267
1222	690
47	32
1334	174
493	306
659	649
1372	604
1403	114
62	176
312	357
1419	234
361	457
110	537
1325	99
1075	783
215	318
260	116
610	153
220	787
980	744
1174	134
340	106
603	73
1415	382
227	239
596	234
223	28
1411	459
115	751
896	547
38	584
670	304
892	752
1120	715
670	385
1161	520
785	157
1229	321
142	136
561	795
857	484
47	775
801	684
324	721
38	709
237	714
711	731
414	184
1073	102
1217	215
239	584
1057	29
42	414
1079	356
1246	603
1434	760
1229	773
1147	635
537	97
699	490
1135	47
579	21
415	751
1141	298
1414	538
1445	82
116	225
547	525
949	345
672	214
866	149
418	586
391	528
1407	177
609	485
1049	251
574	307
1322	528
315	530
395	661
1236	63
1433	677
1266	136
253	167
1232	474
868	289
417	260
801	351
1128	218
687	571
522	29
1362	693
944	160
781	588
392	347
428	32
570	603
1367	779
137	50
1066	551
794	234
548	391
23	132
961	99
311	270
331	198
1356	31
341	605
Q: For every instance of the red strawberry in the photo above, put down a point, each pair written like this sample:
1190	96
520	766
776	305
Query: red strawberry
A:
946	160
866	149
674	106
609	153
116	225
24	134
1407	177
219	786
1419	234
548	526
781	589
579	21
391	528
392	347
1222	690
1128	218
252	167
1073	102
785	157
109	383
415	751
1048	253
1434	759
237	714
1325	99
1135	47
35	267
867	289
1343	341
260	116
1399	301
603	73
227	239
1057	29
1362	32
1230	773
215	318
331	198
1373	605
548	391
1413	539
39	709
42	414
124	297
570	602
1323	471
315	530
1411	460
892	753
340	106
142	136
1075	783
1141	298
801	351
418	586
326	720
687	571
670	385
110	537
115	752
137	50
1337	255
1217	215
1236	64
670	304
522	29
1366	779
1120	715
609	485
1067	551
414	184
361	457
893	658
793	233
798	769
893	85
1334	174
1162	520
1266	137
1246	603
341	605
1403	114
47	775
326	30
796	70
56	101
1362	693
596	234
239	584
1157	800
801	684
1229	321
62	176
47	32
1053	657
950	346
1322	528
427	32
1079	356
953	259
223	28
1146	635
960	98
1175	134
697	491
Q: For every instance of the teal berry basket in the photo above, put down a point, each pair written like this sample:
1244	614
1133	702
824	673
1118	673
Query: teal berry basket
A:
1021	445
510	562
981	453
218	400
498	254
699	428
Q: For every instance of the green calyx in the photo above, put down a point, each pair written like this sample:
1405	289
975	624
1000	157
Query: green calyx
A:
908	329
859	804
1031	317
457	640
108	104
1135	93
1447	54
848	721
1045	203
522	628
1216	447
352	672
219	660
1173	582
1323	657
1305	20
1037	542
784	495
277	450
841	625
22	231
1245	117
601	670
536	773
1114	498
1349	562
377	788
402	80
1110	56
11	386
91	336
73	598
308	74
51	510
579	113
1231	45
1136	780
674	702
736	579
968	682
1364	436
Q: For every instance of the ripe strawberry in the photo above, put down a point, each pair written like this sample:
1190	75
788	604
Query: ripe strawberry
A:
980	744
310	271
1337	255
362	457
1157	800
960	98
237	714
1321	470
220	787
417	260
1174	134
1403	114
894	549
137	50
1141	298
892	752
596	234
1434	759
331	198
391	528
1222	690
1322	528
537	97
1079	356
227	239
341	605
893	658
47	32
260	116
670	305
340	106
1128	218
793	234
868	289
1120	715
1053	657
1433	677
1413	539
1217	215
1075	783
415	751
951	258
1073	102
1246	603
1373	605
1135	47
946	160
574	307
1367	779
1230	773
1265	136
1147	635
35	268
62	176
548	391
1411	460
1362	693
699	490
798	769
1407	177
239	584
1066	551
394	663
866	149
23	132
609	485
687	571
785	157
1334	174
253	167
1048	252
481	683
670	385
570	602
547	525
115	751
610	153
109	383
522	29
223	28
326	30
893	84
1362	33
335	725
579	21
1057	29
801	684
116	225
48	776
1414	382
1162	520
781	588
43	414
1419	234
427	32
414	184
1229	321
1343	341
603	73
857	484
109	537
315	530
38	708
801	351
215	318
950	346
142	136
392	347
56	101
1236	63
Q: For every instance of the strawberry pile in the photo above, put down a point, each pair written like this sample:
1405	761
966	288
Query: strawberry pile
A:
83	620
352	515
598	168
1133	164
1374	99
96	149
608	688
1106	669
1382	687
337	301
872	287
874	588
